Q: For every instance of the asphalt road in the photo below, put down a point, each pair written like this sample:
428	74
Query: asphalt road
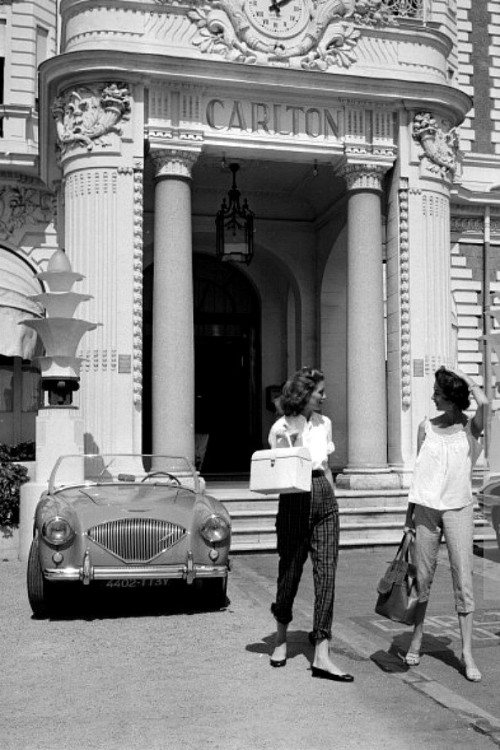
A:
126	670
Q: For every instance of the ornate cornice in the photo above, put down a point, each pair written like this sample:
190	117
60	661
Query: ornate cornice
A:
473	225
86	114
173	162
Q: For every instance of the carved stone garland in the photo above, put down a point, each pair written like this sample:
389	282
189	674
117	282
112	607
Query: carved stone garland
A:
329	39
138	285
404	290
85	115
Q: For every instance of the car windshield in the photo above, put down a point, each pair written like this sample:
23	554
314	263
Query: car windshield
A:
98	469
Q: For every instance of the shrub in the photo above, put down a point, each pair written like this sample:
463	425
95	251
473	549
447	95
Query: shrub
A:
20	452
12	476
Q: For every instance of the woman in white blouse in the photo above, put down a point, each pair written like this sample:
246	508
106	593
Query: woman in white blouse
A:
440	501
307	522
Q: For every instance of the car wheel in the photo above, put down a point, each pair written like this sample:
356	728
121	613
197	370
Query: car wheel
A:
39	590
214	592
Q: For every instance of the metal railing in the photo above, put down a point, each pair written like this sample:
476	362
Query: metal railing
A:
406	8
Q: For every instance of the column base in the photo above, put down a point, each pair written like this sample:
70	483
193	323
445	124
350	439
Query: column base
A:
369	479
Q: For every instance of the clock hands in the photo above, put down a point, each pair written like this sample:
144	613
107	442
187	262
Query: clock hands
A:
277	4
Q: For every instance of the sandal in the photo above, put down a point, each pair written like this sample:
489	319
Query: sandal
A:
412	658
471	673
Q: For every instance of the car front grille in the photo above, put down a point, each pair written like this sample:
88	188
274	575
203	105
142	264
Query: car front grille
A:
136	539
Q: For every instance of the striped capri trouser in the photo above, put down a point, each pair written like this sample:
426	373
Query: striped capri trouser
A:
307	522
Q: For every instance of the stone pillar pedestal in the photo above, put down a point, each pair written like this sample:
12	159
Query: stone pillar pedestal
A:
58	432
366	391
173	325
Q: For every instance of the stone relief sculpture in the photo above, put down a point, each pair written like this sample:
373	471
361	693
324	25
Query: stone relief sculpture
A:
315	35
441	149
20	206
84	115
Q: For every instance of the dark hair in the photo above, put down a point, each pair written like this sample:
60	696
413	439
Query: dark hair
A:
453	388
298	389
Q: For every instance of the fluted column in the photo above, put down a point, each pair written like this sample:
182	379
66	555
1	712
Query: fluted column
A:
173	331
366	378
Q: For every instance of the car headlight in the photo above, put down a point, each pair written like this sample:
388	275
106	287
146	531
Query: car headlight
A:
58	531
215	529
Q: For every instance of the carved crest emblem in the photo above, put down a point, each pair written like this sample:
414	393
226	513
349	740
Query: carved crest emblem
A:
308	34
83	116
440	149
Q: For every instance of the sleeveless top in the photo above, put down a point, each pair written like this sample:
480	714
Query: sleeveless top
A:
314	433
442	478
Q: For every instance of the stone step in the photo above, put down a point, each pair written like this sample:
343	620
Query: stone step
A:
264	538
367	518
350	517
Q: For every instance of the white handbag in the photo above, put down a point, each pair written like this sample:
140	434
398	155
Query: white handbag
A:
281	471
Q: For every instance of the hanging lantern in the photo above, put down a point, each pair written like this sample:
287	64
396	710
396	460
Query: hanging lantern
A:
234	226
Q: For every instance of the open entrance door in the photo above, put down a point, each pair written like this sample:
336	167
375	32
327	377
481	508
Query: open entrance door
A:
226	367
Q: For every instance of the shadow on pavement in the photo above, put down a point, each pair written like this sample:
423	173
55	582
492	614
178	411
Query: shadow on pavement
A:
101	603
297	644
392	660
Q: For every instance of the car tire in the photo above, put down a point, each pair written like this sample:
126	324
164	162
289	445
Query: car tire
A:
213	592
39	590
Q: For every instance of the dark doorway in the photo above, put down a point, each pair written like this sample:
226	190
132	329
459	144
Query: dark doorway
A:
227	366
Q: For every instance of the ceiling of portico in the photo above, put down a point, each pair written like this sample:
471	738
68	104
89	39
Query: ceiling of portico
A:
274	190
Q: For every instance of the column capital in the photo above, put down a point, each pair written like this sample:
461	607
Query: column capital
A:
174	162
364	176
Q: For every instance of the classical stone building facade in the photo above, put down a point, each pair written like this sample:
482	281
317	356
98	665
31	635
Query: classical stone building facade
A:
367	136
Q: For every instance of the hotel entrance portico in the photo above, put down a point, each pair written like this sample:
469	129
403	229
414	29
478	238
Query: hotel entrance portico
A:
348	168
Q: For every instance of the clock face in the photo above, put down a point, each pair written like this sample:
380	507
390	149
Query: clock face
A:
278	18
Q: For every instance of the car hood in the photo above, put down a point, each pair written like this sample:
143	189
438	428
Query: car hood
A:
97	504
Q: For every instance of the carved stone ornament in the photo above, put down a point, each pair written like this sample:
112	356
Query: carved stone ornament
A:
20	206
308	34
85	115
440	148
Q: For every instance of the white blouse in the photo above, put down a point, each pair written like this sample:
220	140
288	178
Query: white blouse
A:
442	478
314	433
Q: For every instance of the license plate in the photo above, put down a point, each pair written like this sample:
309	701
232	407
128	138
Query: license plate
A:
137	583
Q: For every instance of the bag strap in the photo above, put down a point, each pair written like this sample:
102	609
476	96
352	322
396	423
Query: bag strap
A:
404	546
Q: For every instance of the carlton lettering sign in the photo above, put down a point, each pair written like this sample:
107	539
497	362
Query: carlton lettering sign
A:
263	118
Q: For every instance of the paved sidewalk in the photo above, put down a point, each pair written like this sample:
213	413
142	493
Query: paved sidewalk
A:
358	630
150	673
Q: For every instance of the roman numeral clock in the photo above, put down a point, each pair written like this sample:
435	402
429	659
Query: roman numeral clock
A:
307	34
278	19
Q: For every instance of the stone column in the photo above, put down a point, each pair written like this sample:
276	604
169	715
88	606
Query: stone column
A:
366	378
173	326
101	217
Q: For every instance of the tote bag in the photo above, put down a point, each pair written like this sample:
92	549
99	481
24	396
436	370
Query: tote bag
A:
398	588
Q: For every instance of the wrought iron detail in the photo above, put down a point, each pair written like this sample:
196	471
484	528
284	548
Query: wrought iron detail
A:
136	539
403	8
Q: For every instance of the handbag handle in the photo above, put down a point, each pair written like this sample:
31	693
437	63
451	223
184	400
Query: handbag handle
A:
404	546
